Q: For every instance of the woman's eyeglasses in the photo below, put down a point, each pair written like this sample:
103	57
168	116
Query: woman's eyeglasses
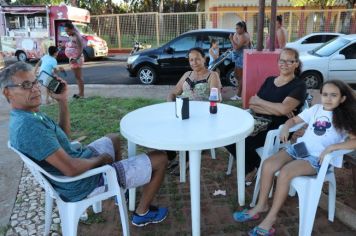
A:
288	62
25	85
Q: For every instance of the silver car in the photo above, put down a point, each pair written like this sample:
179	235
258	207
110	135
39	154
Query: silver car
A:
311	41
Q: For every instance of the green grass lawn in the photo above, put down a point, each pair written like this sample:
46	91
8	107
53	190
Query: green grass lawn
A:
94	117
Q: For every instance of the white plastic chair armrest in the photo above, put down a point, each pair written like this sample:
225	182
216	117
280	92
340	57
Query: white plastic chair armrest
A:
294	128
327	159
66	179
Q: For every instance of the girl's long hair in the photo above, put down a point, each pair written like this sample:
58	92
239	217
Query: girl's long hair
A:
344	116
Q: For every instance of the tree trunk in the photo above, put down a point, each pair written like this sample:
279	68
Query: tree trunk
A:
160	6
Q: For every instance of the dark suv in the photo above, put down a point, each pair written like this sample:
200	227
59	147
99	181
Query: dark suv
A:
172	59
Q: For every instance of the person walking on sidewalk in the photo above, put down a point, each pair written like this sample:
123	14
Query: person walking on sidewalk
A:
34	133
74	51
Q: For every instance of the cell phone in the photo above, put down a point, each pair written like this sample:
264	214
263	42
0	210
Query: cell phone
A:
50	82
301	150
63	73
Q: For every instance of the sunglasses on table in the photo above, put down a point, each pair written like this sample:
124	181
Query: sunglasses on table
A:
25	85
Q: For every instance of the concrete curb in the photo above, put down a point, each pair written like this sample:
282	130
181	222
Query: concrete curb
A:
344	213
117	57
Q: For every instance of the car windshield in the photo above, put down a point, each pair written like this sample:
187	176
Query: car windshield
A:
330	47
84	29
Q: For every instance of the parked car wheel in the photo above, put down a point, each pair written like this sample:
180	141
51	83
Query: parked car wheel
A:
21	56
86	56
230	76
147	75
312	79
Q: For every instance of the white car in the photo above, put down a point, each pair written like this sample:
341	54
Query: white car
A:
312	41
335	59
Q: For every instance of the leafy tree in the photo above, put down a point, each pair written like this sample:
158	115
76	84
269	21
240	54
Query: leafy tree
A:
346	17
35	2
161	5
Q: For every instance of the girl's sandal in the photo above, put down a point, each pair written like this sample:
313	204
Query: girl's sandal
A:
257	231
243	216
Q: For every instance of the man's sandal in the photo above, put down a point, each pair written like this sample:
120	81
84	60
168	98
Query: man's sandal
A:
243	216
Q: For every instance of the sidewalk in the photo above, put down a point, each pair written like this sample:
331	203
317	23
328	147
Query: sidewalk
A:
11	171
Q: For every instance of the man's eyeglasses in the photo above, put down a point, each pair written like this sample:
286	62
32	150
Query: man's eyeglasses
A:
25	85
288	62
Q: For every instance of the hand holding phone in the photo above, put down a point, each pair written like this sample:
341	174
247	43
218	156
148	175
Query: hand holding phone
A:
50	82
301	150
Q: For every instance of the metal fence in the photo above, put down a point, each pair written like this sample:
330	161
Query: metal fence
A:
122	30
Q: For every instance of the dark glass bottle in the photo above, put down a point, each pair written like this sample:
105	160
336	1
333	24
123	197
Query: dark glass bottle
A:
213	107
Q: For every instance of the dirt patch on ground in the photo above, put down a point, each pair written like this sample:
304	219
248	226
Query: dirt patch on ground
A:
216	211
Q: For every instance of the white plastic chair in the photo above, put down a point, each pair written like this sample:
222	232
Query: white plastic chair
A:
70	212
309	191
272	145
260	151
307	187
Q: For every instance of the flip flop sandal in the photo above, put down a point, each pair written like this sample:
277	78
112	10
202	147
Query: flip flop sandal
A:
243	216
76	96
257	231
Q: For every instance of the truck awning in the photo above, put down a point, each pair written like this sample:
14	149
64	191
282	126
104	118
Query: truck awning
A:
23	9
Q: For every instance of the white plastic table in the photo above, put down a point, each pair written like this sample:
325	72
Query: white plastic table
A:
157	127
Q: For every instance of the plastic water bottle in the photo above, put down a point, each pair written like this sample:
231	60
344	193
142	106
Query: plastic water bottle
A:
213	98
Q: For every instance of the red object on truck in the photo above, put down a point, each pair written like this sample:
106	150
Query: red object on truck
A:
27	31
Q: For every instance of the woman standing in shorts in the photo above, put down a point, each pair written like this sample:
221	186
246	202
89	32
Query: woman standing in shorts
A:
240	40
74	51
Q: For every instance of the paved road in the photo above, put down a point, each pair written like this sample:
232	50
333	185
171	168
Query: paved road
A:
108	72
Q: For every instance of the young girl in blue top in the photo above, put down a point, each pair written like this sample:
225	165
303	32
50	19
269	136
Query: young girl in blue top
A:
213	51
331	126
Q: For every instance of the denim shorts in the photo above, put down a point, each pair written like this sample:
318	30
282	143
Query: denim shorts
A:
131	172
313	160
238	59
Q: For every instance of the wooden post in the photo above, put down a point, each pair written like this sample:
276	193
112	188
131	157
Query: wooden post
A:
290	26
118	31
272	26
99	31
177	24
337	25
199	21
260	24
157	28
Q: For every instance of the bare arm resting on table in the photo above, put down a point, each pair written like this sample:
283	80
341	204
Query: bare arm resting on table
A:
75	166
258	105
